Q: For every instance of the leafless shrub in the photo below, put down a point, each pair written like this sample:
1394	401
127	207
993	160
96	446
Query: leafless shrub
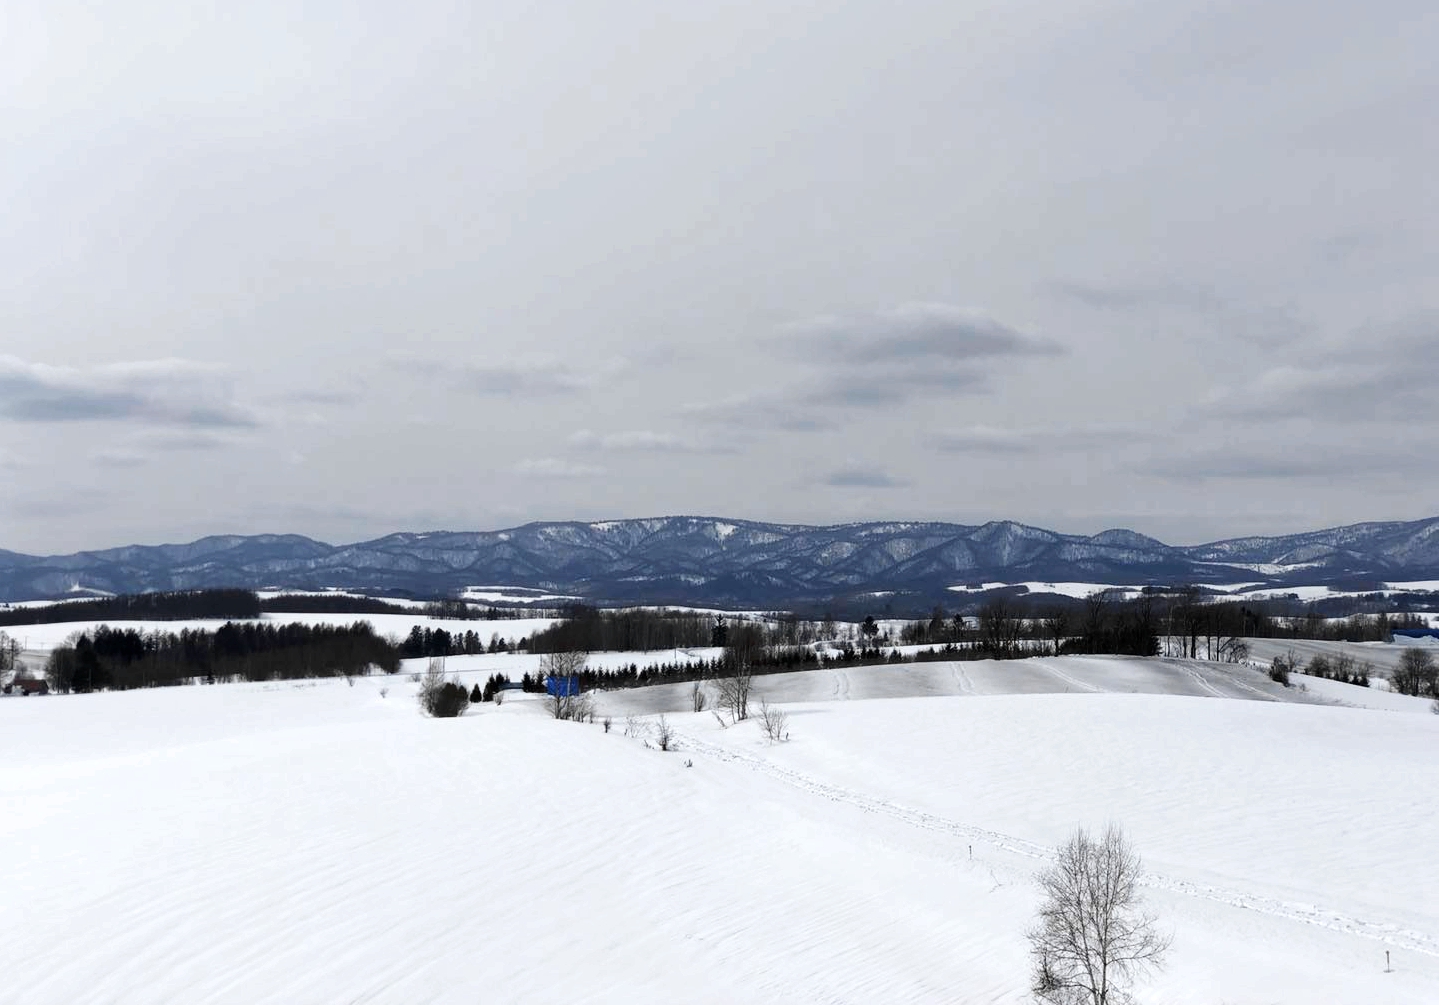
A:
773	722
1092	941
664	733
607	722
698	699
384	692
632	726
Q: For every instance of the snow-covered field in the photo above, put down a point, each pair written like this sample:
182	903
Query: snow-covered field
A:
309	842
1382	656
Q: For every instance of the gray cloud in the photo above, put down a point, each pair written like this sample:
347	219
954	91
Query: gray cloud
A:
556	467
210	202
1266	324
768	412
1387	375
1274	464
983	439
924	333
881	360
166	392
646	441
856	475
526	375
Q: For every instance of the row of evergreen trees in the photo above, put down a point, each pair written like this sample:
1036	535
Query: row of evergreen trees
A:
122	658
423	641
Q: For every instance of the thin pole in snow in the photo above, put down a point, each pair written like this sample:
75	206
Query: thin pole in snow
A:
971	853
1387	968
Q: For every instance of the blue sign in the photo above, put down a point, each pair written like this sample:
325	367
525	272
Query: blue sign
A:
562	687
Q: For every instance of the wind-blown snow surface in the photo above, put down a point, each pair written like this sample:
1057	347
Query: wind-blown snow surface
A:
309	843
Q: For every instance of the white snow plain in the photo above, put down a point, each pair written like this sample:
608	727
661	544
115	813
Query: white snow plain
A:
315	842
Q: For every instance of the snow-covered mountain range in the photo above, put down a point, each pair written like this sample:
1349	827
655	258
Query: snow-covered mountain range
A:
730	562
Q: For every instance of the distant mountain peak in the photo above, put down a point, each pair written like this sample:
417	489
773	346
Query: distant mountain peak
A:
718	561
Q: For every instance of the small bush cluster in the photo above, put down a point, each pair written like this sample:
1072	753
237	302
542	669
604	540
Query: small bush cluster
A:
773	723
1342	668
1281	667
440	697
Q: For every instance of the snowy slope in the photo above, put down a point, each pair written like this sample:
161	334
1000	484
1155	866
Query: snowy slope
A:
321	843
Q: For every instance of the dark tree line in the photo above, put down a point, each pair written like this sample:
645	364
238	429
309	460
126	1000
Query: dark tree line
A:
122	658
240	605
586	629
306	603
424	641
181	605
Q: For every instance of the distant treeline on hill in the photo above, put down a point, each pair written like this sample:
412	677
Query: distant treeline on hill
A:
239	605
179	605
122	658
340	603
586	629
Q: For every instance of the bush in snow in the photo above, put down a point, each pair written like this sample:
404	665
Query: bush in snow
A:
773	723
440	697
1280	667
664	734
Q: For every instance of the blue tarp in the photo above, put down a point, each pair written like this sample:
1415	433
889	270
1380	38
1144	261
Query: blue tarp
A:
562	687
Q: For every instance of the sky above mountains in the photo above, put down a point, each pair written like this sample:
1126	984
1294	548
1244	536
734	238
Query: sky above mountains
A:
345	269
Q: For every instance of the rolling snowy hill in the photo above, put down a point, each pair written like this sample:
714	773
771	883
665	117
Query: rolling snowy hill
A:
320	843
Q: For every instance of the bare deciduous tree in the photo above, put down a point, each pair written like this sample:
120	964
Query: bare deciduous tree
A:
698	698
562	704
1056	624
1092	940
1416	673
737	678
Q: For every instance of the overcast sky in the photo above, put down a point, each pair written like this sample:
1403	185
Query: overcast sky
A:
343	269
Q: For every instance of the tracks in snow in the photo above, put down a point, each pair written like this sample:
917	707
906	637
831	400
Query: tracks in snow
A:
961	679
1204	684
1073	682
1307	914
